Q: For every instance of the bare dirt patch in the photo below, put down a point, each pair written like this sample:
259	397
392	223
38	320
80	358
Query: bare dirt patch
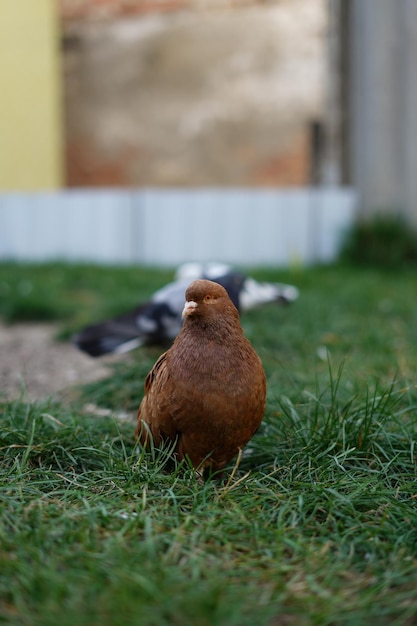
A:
34	365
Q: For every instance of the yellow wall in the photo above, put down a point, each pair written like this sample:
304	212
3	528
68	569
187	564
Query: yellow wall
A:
30	96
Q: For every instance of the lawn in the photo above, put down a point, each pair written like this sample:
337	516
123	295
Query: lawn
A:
318	524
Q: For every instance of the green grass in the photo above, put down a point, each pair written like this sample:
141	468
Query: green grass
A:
317	526
74	293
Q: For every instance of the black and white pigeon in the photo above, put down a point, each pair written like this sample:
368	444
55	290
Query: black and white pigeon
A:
158	321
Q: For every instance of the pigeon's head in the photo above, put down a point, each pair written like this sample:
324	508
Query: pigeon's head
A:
207	299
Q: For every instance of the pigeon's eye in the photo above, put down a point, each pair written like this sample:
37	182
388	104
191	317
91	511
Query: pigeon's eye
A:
208	298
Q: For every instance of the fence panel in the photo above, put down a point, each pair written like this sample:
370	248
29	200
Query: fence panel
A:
170	226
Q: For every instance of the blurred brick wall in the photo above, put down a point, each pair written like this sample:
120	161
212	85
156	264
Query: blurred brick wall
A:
91	158
107	9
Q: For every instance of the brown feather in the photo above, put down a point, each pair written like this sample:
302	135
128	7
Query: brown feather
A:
208	390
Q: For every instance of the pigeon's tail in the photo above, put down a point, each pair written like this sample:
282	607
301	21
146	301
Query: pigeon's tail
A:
256	293
151	323
112	336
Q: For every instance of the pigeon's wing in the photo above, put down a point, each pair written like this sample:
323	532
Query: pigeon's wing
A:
118	334
150	323
154	414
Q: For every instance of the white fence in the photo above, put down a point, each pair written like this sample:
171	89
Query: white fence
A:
170	226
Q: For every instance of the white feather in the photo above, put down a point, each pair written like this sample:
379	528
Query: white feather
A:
254	293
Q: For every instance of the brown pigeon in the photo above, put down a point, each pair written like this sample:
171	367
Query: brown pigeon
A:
207	393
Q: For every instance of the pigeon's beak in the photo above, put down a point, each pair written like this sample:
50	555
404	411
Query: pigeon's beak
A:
189	308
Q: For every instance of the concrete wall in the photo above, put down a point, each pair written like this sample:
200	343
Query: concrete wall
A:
384	106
